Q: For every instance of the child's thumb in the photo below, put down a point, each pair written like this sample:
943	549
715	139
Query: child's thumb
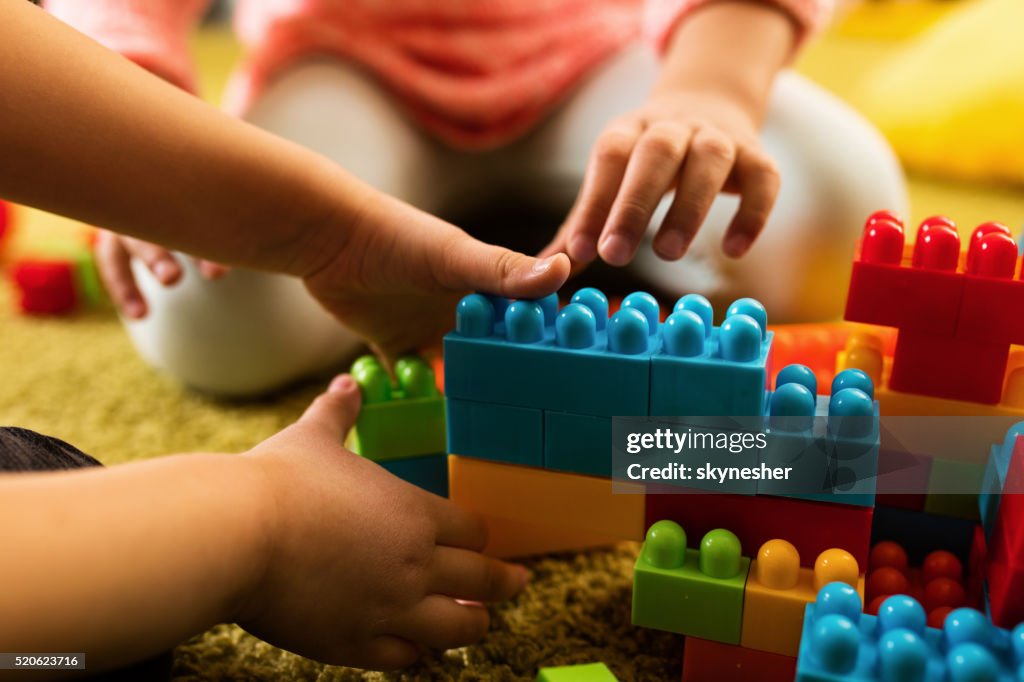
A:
476	266
336	410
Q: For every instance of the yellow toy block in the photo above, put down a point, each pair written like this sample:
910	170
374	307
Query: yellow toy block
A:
551	500
777	591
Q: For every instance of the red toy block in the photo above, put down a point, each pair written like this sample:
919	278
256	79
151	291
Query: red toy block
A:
705	660
1006	593
938	584
992	297
5	222
949	367
923	295
45	287
812	527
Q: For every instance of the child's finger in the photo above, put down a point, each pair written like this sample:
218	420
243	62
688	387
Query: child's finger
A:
116	273
386	653
336	410
605	171
652	169
211	270
441	623
157	260
457	527
468	575
709	161
473	265
758	181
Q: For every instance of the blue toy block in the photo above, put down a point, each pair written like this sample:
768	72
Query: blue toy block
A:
839	643
994	478
578	443
429	472
700	370
575	361
501	433
830	442
921	533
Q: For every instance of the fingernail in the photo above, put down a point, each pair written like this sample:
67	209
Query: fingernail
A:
615	249
582	249
672	245
343	383
543	265
165	271
736	245
134	309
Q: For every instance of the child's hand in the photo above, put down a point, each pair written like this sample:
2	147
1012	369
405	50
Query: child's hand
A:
362	568
395	273
692	142
113	258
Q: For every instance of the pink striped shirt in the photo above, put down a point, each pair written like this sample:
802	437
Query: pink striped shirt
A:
476	73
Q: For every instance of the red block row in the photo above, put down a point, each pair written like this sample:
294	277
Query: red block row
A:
705	660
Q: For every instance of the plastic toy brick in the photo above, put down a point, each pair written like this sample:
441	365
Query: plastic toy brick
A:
511	538
429	472
1005	586
496	432
700	370
922	295
577	443
841	643
994	478
589	672
949	367
695	592
947	475
902	479
778	589
758	519
5	224
398	420
920	533
705	659
1007	537
992	288
574	360
44	287
552	498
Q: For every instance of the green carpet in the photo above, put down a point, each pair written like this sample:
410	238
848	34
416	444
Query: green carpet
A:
79	379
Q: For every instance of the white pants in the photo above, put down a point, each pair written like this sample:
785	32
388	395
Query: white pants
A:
253	332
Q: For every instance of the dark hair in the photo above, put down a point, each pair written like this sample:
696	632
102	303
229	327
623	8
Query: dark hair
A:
24	450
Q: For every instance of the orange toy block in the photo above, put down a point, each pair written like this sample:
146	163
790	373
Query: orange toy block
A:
582	510
507	538
704	659
778	590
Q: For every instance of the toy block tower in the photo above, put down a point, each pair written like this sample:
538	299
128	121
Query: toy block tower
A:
1005	532
953	312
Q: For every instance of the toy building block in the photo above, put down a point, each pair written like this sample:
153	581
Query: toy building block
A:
831	443
530	354
920	533
501	433
705	659
994	478
992	288
1005	556
429	472
778	589
812	527
922	295
948	475
578	443
841	643
939	583
695	592
902	479
949	367
548	498
701	370
589	672
405	419
44	287
5	224
512	538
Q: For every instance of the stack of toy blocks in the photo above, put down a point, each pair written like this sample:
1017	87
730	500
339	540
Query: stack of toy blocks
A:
1004	530
841	643
739	616
955	321
401	425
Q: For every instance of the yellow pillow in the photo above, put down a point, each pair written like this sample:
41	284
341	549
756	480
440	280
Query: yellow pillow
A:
952	101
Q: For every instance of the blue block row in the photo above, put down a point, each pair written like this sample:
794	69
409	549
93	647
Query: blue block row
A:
578	443
429	472
577	360
502	433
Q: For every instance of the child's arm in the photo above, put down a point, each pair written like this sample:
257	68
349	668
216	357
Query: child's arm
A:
697	135
88	134
301	542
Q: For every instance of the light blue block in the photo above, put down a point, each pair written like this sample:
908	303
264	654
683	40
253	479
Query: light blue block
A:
429	472
502	433
993	481
578	443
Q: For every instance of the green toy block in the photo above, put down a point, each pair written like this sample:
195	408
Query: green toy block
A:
398	420
589	672
693	592
947	475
